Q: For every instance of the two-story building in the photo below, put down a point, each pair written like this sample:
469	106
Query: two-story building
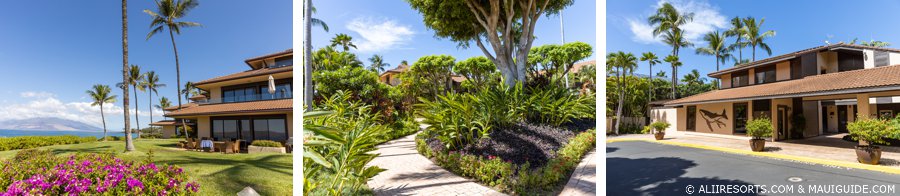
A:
241	105
827	85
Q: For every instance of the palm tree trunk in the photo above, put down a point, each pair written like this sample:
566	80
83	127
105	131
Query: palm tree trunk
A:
129	145
307	69
177	76
150	102
103	118
621	101
137	118
754	52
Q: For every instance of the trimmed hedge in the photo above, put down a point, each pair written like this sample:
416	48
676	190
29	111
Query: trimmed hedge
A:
266	143
511	178
25	142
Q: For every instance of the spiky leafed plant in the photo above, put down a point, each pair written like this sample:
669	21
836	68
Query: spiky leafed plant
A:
343	40
754	37
129	145
134	80
151	84
715	47
100	94
378	64
737	31
167	16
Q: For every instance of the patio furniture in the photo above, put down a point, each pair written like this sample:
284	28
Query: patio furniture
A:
289	144
237	146
206	144
218	146
229	147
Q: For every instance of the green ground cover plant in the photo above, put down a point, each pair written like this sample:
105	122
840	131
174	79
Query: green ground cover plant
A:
25	142
266	143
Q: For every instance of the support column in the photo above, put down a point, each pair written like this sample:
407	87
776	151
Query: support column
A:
773	117
862	105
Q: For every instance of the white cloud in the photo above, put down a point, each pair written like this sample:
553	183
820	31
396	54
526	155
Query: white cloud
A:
43	104
380	34
706	19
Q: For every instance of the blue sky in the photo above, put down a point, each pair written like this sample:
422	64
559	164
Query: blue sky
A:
798	25
395	31
52	52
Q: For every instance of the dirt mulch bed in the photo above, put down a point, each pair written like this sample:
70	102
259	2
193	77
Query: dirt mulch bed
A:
523	142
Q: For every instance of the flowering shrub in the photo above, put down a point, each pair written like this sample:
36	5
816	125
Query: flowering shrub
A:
25	142
39	172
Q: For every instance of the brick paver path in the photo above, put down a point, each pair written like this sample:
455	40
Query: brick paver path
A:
584	178
409	173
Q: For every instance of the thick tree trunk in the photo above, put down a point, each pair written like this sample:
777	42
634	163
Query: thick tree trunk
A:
129	145
307	58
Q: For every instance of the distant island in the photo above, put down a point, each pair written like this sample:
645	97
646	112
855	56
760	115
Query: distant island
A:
47	124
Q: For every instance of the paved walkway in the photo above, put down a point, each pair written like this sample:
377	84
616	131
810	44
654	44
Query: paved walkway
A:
409	173
829	147
584	178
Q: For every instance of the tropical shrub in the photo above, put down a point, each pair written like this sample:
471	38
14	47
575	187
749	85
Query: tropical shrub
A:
39	172
660	126
511	178
113	138
456	119
870	130
759	128
266	143
338	145
25	142
556	105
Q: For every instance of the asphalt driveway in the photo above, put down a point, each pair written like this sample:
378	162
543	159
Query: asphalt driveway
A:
646	168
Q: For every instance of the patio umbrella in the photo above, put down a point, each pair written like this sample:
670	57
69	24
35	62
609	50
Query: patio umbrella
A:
272	86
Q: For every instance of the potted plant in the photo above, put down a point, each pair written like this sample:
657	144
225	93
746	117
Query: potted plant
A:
869	132
759	128
264	146
659	129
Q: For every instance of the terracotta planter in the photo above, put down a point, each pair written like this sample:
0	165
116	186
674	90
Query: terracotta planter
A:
259	149
659	135
868	154
757	145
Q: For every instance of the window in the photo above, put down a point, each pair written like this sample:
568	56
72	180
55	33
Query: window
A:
239	94
765	75
740	79
740	117
691	118
762	108
257	91
283	61
882	58
281	91
250	128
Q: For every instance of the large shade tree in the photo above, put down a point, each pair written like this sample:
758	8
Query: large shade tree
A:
507	26
557	60
436	70
477	70
100	94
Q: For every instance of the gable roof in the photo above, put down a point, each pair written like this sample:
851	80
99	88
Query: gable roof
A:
856	81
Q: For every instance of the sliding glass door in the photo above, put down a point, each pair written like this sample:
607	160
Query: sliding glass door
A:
249	128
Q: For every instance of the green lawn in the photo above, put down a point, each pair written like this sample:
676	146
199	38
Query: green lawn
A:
217	173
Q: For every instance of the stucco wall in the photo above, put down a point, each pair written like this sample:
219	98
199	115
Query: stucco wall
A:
827	61
203	128
869	59
290	124
783	71
665	115
894	58
710	119
681	118
726	81
752	76
831	117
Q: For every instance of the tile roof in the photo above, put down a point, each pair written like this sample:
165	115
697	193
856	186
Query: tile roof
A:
245	74
794	54
175	107
169	123
577	66
399	69
239	107
887	76
288	51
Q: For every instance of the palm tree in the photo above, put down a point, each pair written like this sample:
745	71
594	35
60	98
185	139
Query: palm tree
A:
316	21
342	40
737	31
129	145
308	91
651	60
622	62
163	104
151	84
378	64
715	47
134	79
101	94
189	90
167	15
754	37
672	59
677	41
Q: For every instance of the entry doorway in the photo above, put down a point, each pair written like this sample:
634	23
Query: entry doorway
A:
782	121
842	118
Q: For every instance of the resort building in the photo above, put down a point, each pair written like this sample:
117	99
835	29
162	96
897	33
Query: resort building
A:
392	76
806	93
251	105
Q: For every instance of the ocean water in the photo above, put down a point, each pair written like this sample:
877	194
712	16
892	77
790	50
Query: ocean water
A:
14	133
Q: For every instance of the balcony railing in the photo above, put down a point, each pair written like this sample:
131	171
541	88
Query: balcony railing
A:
246	98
